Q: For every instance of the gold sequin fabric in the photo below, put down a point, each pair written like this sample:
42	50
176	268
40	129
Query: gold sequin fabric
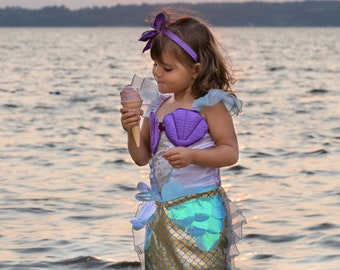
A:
171	247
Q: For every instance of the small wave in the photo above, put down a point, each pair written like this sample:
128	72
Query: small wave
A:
319	172
11	106
317	152
309	69
307	172
89	262
118	161
330	242
56	92
103	135
31	210
270	113
331	257
129	265
44	107
32	250
79	99
267	176
276	68
322	226
260	155
101	109
125	187
299	111
238	168
274	238
82	262
113	66
309	153
292	153
318	91
245	133
265	257
94	217
336	130
7	91
121	150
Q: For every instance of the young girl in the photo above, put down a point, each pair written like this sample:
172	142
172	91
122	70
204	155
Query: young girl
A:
186	136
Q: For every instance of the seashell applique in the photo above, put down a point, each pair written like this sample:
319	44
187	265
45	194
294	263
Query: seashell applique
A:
183	127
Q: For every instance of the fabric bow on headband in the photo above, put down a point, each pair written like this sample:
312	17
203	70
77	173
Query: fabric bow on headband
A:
159	27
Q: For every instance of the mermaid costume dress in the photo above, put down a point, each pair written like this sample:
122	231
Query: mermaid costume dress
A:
185	220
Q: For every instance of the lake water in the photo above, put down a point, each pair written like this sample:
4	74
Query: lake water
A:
67	183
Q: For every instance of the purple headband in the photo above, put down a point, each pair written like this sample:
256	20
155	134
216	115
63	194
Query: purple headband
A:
158	26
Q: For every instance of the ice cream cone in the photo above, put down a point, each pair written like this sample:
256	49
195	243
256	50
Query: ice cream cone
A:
136	129
131	99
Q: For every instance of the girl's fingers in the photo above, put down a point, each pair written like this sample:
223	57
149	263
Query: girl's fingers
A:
130	118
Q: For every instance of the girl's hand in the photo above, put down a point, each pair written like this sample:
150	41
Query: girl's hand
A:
178	157
130	118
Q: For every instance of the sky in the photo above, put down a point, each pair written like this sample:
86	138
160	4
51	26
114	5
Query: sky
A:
77	4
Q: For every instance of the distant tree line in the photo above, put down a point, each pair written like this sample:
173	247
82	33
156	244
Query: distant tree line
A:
307	14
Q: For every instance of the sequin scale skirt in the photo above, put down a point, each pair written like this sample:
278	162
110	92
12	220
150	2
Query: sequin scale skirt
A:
172	247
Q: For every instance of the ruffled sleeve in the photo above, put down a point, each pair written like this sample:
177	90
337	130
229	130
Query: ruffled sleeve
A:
148	91
233	104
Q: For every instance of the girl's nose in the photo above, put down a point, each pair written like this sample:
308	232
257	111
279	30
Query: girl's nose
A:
156	71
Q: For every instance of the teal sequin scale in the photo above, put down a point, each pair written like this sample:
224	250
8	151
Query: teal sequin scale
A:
189	233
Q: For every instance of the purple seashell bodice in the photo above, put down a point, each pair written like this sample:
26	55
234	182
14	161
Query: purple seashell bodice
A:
183	127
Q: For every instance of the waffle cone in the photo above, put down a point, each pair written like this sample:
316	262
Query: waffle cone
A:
134	104
136	134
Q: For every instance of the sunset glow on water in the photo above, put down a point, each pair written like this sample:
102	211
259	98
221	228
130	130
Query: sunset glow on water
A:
67	181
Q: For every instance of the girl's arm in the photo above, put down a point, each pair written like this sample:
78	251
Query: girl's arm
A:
226	151
142	154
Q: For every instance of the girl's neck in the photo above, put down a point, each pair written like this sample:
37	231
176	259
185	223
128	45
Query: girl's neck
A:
182	101
182	97
173	103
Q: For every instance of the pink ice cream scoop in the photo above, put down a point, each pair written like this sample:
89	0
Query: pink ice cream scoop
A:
131	99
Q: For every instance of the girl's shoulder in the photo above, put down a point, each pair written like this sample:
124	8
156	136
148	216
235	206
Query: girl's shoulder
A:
233	104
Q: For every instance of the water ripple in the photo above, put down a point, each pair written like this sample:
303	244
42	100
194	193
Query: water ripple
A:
275	238
67	180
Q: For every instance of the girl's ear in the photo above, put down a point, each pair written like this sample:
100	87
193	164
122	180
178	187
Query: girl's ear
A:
196	70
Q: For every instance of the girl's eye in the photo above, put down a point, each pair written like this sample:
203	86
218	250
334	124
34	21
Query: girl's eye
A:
165	68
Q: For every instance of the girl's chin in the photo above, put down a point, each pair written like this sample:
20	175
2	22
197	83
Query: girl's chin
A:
163	91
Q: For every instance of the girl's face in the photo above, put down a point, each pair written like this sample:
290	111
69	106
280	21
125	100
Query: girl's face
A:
172	76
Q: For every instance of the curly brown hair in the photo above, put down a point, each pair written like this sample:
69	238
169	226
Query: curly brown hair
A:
215	71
